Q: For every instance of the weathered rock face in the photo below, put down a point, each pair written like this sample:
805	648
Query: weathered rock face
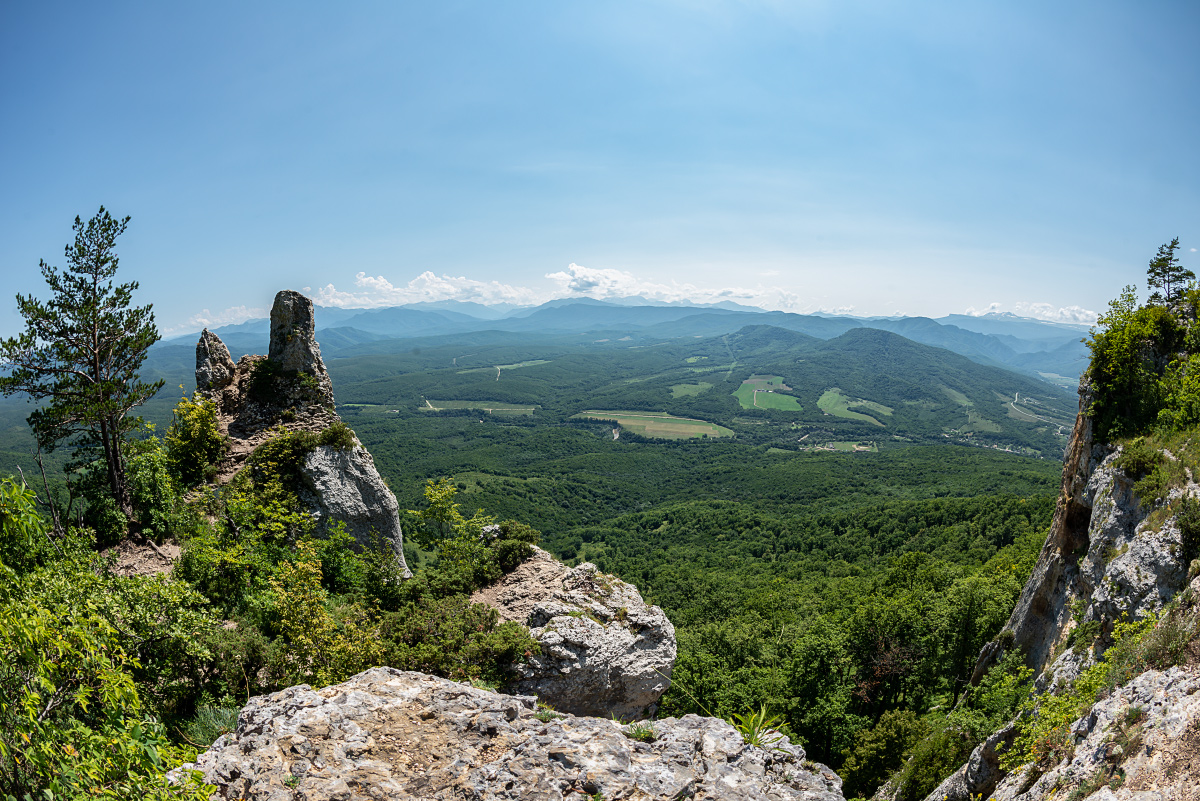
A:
1105	557
1043	611
344	485
1158	751
604	650
291	389
214	365
294	349
389	734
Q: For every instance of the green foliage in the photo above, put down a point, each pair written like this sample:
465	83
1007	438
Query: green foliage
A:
324	647
933	759
879	751
72	720
209	723
1166	276
758	728
153	490
24	537
338	435
1188	518
642	731
194	445
80	354
452	637
1130	351
1043	738
262	380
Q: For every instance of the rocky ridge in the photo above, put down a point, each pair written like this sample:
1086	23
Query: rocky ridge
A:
1106	557
290	390
390	734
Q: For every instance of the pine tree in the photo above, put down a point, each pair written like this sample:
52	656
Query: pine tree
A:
81	351
1166	276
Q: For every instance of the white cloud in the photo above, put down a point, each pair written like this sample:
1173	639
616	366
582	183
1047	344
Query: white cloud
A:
836	310
376	291
1051	313
608	283
1193	250
992	308
208	319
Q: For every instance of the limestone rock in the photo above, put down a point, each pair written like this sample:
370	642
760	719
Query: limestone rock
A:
214	365
344	485
1159	754
259	397
294	349
604	650
389	734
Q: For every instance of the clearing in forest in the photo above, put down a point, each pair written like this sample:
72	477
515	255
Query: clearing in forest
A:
658	424
491	407
766	392
835	403
682	390
499	367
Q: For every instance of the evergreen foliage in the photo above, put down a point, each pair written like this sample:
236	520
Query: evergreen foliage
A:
80	353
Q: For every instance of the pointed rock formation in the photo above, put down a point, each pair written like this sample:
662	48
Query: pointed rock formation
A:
214	365
291	389
294	349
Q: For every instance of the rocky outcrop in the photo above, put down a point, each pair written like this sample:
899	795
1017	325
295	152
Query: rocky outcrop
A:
1042	612
1142	742
290	390
604	650
1106	556
344	485
214	365
294	349
389	734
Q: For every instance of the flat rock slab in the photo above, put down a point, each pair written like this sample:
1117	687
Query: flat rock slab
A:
390	734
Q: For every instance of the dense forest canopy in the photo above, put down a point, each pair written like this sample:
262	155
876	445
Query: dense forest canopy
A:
837	561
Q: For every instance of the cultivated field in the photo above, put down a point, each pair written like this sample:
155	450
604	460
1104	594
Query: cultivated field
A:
833	402
658	424
766	392
500	367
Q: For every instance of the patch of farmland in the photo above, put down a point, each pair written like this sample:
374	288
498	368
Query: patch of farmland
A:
766	392
834	403
658	424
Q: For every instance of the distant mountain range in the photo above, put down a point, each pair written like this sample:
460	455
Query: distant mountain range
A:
1051	351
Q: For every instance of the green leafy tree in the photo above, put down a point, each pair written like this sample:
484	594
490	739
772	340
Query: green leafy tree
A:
1166	276
81	351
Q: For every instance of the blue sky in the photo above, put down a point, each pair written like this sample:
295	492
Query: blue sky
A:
874	157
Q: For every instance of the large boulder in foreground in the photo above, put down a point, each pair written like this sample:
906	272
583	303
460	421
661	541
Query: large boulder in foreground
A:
605	651
390	734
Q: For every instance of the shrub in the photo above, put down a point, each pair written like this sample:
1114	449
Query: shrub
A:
24	536
455	638
881	750
1129	353
71	722
324	648
339	435
152	490
194	444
